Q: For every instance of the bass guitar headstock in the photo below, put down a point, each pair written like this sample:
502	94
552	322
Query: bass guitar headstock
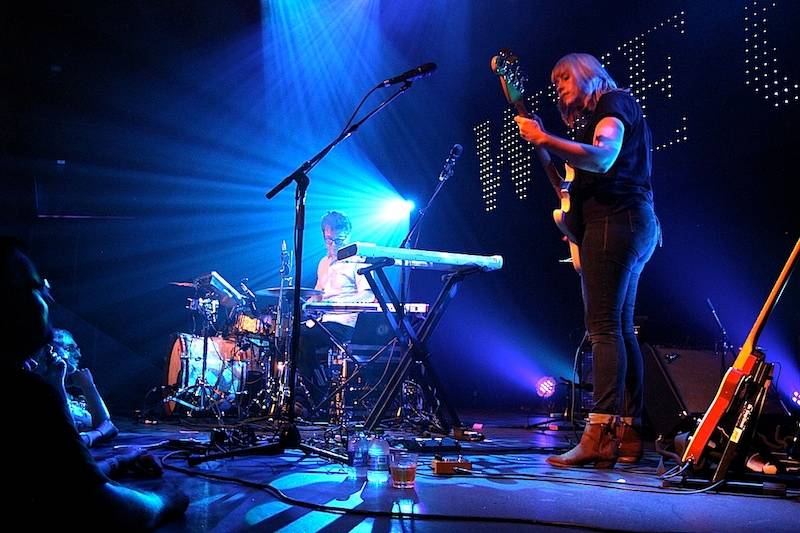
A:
512	79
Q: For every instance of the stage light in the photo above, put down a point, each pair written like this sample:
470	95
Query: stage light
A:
546	387
395	210
796	397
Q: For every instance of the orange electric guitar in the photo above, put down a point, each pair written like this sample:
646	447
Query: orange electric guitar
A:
506	65
730	421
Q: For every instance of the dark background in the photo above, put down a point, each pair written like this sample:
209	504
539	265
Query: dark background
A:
139	137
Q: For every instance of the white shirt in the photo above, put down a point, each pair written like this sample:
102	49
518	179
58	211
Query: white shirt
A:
340	282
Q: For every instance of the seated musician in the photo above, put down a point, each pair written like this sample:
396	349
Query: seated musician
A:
339	283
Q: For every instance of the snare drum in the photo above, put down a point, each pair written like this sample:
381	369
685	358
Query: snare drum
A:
251	325
226	369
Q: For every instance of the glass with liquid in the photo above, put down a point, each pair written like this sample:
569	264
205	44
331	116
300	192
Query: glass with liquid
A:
403	468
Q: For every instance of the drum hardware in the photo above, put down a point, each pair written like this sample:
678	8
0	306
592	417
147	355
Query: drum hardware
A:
288	292
283	318
350	380
199	394
248	295
214	284
227	371
289	435
244	369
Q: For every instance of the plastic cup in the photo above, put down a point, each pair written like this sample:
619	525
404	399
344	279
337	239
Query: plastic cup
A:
403	468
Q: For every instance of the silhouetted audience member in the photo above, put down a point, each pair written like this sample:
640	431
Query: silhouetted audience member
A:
54	478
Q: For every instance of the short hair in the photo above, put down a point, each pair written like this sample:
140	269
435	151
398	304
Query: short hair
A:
336	221
593	80
62	337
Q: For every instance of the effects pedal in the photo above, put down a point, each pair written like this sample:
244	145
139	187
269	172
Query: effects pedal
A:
467	434
449	467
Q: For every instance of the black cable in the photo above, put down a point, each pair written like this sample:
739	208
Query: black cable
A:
385	371
593	483
361	103
399	515
283	497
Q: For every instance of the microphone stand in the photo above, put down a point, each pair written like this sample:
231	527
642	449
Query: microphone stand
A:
289	435
405	279
726	345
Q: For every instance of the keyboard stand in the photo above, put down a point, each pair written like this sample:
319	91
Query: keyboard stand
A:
414	345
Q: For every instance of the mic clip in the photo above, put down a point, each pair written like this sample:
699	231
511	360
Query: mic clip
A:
450	162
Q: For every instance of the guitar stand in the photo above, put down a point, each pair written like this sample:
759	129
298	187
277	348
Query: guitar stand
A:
733	455
416	351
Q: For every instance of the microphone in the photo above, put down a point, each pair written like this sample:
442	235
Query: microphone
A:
422	71
455	153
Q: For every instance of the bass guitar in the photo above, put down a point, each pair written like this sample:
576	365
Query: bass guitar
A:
506	65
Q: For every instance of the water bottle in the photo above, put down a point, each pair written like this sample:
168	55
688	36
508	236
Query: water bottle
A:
362	456
352	445
378	461
357	453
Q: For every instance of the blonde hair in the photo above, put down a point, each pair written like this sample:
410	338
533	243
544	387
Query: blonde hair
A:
590	77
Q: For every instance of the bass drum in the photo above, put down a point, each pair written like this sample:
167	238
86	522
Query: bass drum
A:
226	372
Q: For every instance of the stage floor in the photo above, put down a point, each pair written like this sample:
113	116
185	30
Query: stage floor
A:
511	488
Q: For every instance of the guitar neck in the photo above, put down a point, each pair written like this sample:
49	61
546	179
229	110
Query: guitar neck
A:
769	305
541	153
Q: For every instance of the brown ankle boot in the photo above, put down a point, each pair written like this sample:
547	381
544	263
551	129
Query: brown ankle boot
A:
630	441
598	445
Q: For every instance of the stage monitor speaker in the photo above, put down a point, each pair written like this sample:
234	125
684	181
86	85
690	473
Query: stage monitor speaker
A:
679	385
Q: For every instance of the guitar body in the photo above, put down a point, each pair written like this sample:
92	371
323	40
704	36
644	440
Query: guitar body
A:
566	220
723	403
506	66
730	421
749	403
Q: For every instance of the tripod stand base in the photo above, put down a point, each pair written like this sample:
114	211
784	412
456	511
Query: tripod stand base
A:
288	438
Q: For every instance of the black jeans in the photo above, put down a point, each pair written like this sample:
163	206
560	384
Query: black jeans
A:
613	252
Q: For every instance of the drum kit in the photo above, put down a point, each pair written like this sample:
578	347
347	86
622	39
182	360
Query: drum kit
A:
236	357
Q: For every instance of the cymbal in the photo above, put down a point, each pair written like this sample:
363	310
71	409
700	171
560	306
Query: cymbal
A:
182	283
305	292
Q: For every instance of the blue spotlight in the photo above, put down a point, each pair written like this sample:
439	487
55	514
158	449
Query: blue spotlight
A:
546	387
395	210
